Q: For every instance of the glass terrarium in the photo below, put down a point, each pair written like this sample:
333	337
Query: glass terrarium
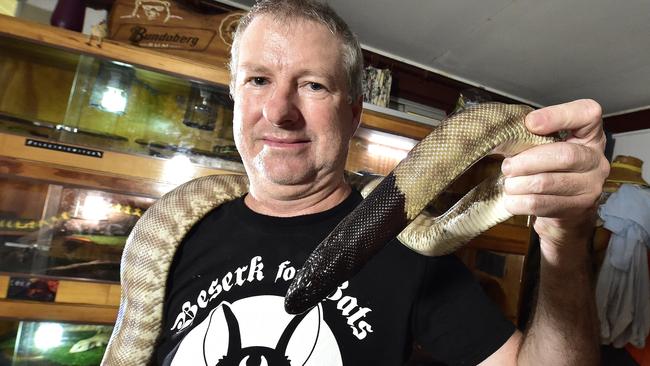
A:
61	96
33	343
65	231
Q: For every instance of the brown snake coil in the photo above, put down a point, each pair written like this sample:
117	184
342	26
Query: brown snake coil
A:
430	167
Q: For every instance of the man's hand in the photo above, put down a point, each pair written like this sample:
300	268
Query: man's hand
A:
560	183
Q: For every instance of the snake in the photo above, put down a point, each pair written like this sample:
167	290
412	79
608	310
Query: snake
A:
393	206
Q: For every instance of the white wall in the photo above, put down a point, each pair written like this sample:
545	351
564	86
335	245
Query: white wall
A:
637	144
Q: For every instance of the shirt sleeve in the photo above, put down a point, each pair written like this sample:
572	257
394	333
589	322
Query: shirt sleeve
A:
453	318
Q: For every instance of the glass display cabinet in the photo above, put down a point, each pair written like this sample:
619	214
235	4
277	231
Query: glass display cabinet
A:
35	343
65	230
90	137
54	95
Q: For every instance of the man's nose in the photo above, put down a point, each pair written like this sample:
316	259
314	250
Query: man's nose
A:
280	109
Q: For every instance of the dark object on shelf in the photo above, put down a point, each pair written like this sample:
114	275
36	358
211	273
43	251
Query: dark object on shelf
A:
162	146
470	97
156	148
208	6
34	289
69	14
99	269
376	86
102	135
99	4
228	152
203	105
201	109
33	122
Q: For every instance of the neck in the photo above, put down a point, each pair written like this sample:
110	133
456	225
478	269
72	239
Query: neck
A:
296	200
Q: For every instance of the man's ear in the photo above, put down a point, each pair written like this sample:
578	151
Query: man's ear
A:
357	108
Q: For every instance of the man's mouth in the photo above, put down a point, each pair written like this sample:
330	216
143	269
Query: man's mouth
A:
286	142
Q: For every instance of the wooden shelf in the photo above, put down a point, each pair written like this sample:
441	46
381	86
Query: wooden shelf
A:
118	165
30	310
394	124
76	301
402	115
59	174
77	42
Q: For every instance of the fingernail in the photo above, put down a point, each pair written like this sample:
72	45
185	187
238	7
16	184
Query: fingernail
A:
533	120
505	166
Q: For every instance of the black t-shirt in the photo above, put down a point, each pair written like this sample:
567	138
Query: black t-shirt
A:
226	288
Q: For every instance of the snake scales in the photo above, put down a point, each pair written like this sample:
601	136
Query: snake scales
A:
397	201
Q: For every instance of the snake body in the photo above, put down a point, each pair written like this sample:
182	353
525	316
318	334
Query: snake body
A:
392	207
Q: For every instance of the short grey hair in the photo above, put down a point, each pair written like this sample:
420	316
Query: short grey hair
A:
289	10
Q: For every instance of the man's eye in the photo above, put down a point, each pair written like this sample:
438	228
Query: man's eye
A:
258	81
316	86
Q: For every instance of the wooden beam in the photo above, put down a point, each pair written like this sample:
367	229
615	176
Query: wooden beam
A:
31	310
634	121
394	125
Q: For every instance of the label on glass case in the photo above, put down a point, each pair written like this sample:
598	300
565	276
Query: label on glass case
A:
32	288
64	148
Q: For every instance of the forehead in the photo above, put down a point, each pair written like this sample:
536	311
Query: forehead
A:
296	42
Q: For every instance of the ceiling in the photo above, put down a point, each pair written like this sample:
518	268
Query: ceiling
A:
539	52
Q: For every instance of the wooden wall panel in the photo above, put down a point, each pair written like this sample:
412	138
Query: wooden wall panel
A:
23	199
639	120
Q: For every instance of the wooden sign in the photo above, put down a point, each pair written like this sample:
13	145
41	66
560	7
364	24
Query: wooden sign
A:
172	27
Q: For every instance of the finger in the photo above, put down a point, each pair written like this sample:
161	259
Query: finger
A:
555	157
582	117
550	205
559	184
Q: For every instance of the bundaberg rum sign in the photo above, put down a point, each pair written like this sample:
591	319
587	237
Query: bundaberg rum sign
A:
172	26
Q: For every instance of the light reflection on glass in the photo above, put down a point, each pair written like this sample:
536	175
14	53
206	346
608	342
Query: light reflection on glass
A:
178	169
48	335
94	207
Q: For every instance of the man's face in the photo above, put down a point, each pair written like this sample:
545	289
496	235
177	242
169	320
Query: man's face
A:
292	119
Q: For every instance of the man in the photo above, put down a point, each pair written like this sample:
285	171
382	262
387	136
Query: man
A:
296	72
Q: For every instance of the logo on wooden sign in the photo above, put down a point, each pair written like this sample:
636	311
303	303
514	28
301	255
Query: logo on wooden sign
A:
178	38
